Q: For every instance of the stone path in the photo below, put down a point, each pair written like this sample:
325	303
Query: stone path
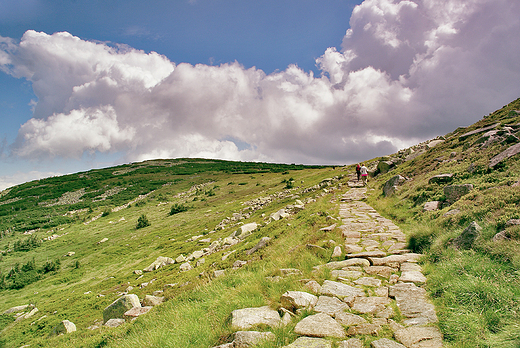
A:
376	288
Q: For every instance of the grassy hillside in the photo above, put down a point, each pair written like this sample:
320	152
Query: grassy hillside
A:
191	203
476	289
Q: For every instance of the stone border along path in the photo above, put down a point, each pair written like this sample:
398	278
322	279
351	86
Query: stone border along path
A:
377	277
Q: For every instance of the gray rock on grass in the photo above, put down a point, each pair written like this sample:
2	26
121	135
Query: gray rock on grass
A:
310	342
294	300
244	319
64	327
246	339
118	308
320	325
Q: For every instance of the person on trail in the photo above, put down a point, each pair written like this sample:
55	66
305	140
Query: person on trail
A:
358	171
364	174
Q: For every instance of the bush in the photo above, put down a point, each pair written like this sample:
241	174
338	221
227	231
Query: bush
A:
178	208
51	266
27	244
142	222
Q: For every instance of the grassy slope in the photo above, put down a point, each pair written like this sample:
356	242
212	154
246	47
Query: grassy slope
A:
476	291
107	268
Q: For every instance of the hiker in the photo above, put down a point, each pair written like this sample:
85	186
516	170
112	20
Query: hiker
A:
358	171
364	174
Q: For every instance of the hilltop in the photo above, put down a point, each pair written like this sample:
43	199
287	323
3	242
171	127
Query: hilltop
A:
193	232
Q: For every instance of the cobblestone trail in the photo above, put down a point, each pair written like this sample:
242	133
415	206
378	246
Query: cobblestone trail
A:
376	288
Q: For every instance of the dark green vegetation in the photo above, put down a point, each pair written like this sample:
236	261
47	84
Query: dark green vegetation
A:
476	291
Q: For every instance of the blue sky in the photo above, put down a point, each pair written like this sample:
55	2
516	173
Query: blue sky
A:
85	84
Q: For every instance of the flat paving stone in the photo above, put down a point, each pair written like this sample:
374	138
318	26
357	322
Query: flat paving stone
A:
310	342
320	325
420	337
340	290
330	305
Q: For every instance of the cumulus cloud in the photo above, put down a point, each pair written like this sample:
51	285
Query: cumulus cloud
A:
406	71
7	181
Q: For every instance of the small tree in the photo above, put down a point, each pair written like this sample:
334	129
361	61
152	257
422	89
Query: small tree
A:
178	208
142	222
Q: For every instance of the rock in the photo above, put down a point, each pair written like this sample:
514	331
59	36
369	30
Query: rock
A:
349	319
477	131
466	239
512	222
313	286
118	308
384	166
219	273
16	309
329	305
245	339
351	343
451	212
418	337
328	228
432	206
336	274
102	241
309	342
454	192
320	325
138	272
434	143
441	179
70	253
279	215
247	229
290	271
503	235
238	263
370	304
386	343
509	152
336	252
294	300
367	281
382	271
114	322
413	304
364	329
136	311
180	259
347	263
367	254
412	277
64	327
225	345
200	262
340	290
261	244
186	266
391	185
244	319
161	261
151	301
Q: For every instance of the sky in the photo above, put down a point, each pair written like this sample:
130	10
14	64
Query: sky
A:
91	84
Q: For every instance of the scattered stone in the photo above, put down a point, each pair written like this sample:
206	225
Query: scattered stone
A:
503	235
337	252
294	300
477	131
151	301
136	311
328	228
466	239
432	206
509	152
186	266
244	319
247	229
261	244
102	241
161	261
118	308
246	339
313	286
441	179
138	272
290	271
16	309
70	253
64	327
219	273
180	259
114	322
390	187
412	277
320	325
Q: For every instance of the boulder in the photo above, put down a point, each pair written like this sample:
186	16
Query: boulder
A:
330	305
454	192
466	239
186	266
391	185
441	179
349	319
244	319
114	322
118	308
320	325
384	166
136	311
247	229
64	327
340	290
429	337
16	309
477	131
161	261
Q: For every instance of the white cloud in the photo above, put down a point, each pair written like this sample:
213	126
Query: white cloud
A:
21	177
407	70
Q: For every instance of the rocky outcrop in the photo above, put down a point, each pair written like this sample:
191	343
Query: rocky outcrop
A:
509	152
466	239
161	261
477	131
441	179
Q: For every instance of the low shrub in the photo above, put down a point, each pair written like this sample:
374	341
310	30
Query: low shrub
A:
142	222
